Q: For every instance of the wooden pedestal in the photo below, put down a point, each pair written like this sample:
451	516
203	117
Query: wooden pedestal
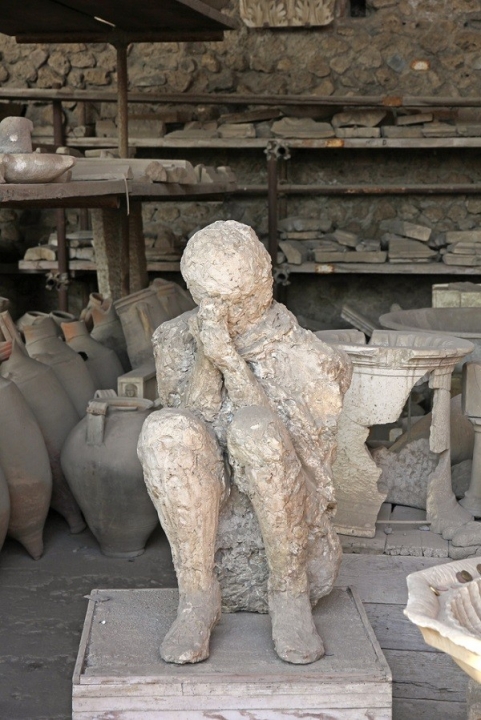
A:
119	673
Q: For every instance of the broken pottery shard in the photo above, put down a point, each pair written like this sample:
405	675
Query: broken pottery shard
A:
406	229
290	127
362	118
222	369
16	135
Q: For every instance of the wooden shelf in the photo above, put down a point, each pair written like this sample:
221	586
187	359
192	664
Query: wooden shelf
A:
436	268
41	266
261	143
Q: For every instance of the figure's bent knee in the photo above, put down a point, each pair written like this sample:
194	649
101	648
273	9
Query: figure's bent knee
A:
171	426
256	435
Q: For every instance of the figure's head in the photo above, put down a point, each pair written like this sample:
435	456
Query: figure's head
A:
227	261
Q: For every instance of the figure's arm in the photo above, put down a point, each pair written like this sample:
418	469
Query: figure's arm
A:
241	384
204	390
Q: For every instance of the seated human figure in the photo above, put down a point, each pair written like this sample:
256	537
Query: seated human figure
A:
253	399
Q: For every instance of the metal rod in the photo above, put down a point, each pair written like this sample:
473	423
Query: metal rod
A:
62	250
122	106
272	207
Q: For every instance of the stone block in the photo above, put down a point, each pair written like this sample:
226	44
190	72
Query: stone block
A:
361	118
322	256
438	129
41	252
301	224
464	294
119	671
290	127
146	127
237	130
344	237
105	128
417	119
468	236
295	252
468	129
400	247
406	229
358	132
463	260
395	132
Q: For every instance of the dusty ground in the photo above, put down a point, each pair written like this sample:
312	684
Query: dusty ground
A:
42	609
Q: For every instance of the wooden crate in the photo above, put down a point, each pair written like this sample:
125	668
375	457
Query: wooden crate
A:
119	673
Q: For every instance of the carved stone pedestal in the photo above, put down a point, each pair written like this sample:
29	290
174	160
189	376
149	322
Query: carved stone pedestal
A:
119	672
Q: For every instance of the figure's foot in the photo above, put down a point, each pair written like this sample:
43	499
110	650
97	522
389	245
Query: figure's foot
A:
188	638
295	636
449	517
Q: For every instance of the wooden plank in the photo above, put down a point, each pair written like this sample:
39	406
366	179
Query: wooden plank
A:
428	710
381	578
426	676
393	630
85	266
382	269
223	714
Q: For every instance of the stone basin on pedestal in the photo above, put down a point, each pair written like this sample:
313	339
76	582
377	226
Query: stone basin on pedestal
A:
462	322
385	371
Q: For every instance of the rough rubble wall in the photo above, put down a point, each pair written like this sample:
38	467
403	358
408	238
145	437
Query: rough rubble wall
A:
368	55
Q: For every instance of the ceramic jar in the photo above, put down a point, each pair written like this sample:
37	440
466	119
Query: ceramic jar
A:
142	312
43	344
99	459
107	327
4	507
102	363
25	464
55	415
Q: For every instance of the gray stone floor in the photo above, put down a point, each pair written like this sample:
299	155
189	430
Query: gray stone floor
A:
42	610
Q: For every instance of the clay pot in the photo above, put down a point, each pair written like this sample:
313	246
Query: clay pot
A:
4	507
43	344
102	363
59	317
108	328
4	304
142	312
55	415
25	464
99	459
29	318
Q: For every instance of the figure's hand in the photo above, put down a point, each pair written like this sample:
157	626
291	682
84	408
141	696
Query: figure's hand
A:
5	350
214	334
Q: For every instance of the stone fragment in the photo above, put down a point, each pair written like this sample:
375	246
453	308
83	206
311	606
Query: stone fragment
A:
468	130
105	128
406	229
465	248
146	127
438	129
396	63
290	127
301	235
322	256
462	260
368	246
16	135
467	236
301	224
295	252
417	119
41	252
194	133
358	132
402	248
237	130
394	132
361	118
344	237
468	535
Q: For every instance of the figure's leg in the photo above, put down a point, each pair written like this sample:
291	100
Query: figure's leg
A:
268	470
184	473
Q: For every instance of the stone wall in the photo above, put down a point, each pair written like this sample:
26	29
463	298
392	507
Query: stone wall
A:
394	47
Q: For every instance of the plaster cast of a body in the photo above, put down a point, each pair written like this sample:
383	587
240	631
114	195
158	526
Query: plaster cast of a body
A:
251	397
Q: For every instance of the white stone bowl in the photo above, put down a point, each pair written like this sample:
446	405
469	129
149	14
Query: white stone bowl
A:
448	612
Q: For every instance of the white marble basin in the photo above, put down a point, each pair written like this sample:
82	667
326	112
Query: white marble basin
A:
385	371
448	611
